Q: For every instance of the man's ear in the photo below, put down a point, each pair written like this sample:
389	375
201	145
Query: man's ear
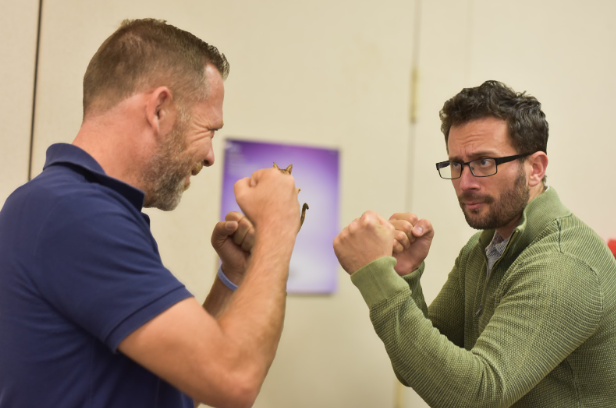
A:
538	162
160	110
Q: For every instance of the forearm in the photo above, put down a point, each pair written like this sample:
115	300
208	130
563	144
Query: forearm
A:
218	299
414	282
253	318
220	295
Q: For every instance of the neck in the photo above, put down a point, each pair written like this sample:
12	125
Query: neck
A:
506	231
116	141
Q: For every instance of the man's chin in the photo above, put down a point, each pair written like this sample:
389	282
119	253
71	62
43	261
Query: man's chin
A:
170	206
474	220
169	203
472	213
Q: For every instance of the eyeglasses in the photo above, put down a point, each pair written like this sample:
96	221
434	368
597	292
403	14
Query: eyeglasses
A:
485	167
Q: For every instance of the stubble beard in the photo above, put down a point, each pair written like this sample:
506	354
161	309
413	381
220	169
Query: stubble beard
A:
167	170
500	212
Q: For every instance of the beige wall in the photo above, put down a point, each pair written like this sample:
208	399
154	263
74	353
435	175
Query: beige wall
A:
337	74
18	28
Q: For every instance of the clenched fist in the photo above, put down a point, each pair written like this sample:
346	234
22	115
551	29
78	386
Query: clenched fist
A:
269	199
364	240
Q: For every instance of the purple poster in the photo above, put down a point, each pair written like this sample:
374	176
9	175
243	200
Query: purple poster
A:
314	265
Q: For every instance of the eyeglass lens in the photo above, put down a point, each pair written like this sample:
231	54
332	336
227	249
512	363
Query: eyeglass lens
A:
479	168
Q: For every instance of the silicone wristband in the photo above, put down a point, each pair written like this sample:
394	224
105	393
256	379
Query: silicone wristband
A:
223	278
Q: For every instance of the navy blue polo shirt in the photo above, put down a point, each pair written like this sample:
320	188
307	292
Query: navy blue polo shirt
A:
79	271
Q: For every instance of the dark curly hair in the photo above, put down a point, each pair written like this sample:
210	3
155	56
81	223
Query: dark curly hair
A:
527	126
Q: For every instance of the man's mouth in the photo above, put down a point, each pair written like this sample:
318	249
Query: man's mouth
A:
473	205
197	168
474	201
193	172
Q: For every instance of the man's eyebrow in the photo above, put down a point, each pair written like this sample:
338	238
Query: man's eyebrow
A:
475	156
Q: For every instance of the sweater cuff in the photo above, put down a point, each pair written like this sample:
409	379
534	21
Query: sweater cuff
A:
378	280
413	277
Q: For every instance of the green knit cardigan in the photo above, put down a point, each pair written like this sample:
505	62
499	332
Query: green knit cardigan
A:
540	332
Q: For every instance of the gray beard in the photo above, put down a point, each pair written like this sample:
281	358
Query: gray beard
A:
500	212
166	173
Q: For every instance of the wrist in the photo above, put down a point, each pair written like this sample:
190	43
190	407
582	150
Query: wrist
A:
407	271
223	278
277	229
278	242
233	274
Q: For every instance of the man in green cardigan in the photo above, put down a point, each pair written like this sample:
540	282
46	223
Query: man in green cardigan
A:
527	317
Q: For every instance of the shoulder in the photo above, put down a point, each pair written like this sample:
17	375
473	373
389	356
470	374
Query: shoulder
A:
555	266
63	199
63	189
86	224
568	244
62	209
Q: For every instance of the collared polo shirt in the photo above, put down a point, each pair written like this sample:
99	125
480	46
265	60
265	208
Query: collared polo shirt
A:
79	271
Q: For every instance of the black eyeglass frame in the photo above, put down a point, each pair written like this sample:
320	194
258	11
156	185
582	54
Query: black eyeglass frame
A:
497	161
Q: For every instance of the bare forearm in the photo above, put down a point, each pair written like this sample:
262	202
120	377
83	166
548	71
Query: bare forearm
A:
251	320
218	299
254	317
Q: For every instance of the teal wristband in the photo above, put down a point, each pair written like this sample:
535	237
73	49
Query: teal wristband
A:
223	278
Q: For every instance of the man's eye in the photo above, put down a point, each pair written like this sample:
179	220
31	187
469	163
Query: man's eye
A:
484	162
455	165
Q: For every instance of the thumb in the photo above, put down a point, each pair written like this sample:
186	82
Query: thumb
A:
222	230
423	228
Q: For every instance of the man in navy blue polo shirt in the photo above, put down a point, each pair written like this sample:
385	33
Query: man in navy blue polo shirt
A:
89	316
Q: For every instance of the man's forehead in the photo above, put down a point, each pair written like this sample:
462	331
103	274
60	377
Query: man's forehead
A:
487	124
479	137
212	74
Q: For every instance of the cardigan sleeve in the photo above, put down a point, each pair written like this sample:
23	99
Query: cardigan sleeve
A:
446	312
547	309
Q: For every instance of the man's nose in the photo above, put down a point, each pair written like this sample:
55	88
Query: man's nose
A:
209	159
467	180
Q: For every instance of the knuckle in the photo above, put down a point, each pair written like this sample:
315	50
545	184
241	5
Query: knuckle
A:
336	242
